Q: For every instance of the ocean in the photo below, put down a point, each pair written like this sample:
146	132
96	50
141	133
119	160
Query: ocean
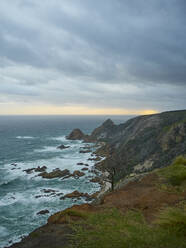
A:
31	141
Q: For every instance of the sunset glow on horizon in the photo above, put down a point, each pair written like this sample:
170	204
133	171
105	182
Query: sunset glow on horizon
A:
70	110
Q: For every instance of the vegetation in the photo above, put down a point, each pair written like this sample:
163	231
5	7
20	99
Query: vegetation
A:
175	174
174	218
112	229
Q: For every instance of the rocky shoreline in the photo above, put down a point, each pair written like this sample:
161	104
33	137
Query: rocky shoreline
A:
99	177
130	150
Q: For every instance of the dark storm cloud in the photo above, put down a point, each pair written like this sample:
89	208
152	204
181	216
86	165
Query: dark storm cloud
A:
83	51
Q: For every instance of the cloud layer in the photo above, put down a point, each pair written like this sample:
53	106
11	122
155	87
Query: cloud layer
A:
122	54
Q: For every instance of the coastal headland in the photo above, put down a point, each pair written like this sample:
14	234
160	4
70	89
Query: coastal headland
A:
146	165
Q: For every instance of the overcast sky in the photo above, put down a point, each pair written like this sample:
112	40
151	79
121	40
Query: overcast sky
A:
92	56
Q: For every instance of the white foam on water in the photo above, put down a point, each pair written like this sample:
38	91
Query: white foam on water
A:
60	138
48	149
8	199
25	137
13	240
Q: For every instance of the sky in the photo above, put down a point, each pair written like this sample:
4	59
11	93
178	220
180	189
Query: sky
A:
92	56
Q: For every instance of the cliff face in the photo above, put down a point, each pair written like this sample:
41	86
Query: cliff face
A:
142	143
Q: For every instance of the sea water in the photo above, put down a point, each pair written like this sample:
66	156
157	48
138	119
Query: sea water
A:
31	141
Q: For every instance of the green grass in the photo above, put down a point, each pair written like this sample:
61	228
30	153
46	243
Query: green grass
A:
175	174
112	229
174	218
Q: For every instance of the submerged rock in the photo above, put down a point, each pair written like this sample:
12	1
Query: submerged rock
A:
80	163
47	191
42	212
40	169
85	151
62	147
29	171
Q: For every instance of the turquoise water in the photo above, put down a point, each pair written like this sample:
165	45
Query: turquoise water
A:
29	142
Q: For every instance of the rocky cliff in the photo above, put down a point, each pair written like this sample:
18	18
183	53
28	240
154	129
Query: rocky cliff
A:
125	215
142	143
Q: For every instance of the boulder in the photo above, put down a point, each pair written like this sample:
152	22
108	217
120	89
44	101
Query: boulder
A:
77	174
95	180
84	169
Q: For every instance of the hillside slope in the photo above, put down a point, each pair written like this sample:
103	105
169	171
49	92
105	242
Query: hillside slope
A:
150	212
142	143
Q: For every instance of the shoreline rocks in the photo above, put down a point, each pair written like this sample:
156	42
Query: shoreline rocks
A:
77	194
57	173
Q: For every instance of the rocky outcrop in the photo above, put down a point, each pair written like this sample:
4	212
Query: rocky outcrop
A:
104	131
77	174
57	173
99	134
142	143
77	194
147	142
76	134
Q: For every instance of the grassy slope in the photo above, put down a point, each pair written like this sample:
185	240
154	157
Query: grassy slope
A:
114	228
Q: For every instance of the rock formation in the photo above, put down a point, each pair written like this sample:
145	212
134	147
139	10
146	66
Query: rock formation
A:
142	143
76	134
57	173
